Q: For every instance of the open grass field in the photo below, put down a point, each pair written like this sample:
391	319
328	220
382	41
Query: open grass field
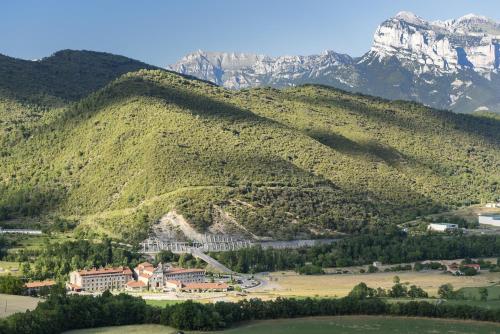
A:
35	242
9	268
162	303
330	325
490	304
473	293
150	329
10	304
292	284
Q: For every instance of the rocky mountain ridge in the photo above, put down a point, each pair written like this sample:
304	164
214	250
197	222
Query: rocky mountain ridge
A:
452	64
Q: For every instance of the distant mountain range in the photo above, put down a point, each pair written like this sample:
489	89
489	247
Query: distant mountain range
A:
451	64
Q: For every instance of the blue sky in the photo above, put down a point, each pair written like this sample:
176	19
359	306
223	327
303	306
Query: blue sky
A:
160	32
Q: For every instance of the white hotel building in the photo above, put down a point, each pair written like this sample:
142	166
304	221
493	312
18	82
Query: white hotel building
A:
100	279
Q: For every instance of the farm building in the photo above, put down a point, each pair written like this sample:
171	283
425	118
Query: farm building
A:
489	219
135	286
442	227
33	288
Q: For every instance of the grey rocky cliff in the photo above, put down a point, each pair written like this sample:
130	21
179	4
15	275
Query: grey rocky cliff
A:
452	64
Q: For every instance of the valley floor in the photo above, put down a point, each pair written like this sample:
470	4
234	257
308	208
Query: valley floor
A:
330	325
291	284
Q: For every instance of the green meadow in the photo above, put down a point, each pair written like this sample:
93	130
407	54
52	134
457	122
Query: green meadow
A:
329	325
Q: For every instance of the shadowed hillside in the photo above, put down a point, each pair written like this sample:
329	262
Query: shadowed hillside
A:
67	75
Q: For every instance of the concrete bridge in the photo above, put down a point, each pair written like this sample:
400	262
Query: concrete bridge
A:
211	261
154	245
223	243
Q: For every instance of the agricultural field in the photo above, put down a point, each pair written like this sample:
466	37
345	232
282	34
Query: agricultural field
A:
330	325
10	304
35	242
489	304
151	329
9	268
473	293
161	303
472	297
291	284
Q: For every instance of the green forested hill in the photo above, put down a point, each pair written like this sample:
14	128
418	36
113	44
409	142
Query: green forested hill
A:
67	75
282	163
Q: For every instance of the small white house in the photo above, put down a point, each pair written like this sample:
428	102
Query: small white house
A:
492	205
442	227
489	219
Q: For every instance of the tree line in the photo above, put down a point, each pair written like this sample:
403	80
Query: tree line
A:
56	260
390	247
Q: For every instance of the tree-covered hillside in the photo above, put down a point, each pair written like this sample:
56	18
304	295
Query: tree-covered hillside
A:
284	163
67	75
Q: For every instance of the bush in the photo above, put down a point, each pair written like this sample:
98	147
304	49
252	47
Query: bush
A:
11	285
310	269
468	271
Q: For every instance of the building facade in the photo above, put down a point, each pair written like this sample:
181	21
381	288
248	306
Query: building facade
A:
100	279
442	227
196	287
33	288
489	219
156	278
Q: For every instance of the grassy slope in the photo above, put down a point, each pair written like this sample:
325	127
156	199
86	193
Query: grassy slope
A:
299	159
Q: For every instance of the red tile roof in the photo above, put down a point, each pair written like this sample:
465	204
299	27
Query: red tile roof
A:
136	284
145	265
102	271
473	265
175	282
74	286
182	271
39	284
